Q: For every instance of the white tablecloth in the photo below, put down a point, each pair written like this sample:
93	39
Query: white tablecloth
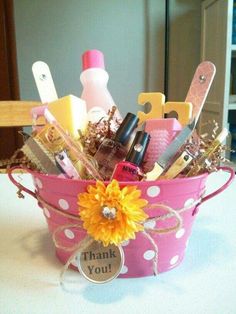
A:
205	282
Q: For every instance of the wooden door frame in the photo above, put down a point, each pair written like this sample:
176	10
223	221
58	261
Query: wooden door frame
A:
8	52
9	85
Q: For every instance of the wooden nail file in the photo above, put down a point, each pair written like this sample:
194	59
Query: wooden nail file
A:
44	82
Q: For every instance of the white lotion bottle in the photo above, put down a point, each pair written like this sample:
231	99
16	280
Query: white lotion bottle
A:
94	79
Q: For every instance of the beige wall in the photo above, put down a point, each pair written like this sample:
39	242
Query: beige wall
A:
130	33
131	37
185	33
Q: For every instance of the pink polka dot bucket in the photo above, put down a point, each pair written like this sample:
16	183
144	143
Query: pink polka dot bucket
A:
184	195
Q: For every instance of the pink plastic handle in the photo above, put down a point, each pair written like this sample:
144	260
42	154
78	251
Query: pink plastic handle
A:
37	112
16	183
218	191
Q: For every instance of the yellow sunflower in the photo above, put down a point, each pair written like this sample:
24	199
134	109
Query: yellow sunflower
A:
110	214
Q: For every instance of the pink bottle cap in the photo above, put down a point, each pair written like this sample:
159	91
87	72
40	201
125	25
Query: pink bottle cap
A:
92	59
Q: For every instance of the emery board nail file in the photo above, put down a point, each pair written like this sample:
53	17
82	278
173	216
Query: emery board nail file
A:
40	156
156	100
44	82
200	86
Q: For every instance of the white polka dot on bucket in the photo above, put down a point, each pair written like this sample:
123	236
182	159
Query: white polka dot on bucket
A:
150	224
153	191
125	243
46	212
124	269
148	255
174	260
180	233
188	202
69	234
63	204
38	183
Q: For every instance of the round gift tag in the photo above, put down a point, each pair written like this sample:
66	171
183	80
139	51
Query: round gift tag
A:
99	263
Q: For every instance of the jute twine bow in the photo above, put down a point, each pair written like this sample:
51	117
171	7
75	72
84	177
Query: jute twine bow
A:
77	248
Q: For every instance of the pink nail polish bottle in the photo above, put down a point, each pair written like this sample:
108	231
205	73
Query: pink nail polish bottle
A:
129	170
112	151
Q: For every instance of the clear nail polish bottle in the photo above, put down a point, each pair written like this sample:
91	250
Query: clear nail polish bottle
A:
112	151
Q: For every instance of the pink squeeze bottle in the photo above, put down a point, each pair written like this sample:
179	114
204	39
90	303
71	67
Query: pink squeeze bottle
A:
94	79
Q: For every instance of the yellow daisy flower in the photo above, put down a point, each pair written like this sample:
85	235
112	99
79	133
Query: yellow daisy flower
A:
110	214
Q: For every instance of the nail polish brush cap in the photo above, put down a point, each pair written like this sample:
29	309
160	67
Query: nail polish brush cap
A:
138	148
126	128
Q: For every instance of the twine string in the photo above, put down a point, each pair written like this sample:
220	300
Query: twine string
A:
79	247
172	213
87	240
155	258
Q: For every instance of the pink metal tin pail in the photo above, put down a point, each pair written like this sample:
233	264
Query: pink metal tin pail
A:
182	194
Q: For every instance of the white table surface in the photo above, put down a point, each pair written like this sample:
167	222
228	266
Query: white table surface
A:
205	282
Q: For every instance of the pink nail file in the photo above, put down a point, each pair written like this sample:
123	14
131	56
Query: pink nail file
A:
200	86
162	132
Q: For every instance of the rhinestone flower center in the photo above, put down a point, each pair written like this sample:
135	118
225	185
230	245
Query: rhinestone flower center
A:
109	213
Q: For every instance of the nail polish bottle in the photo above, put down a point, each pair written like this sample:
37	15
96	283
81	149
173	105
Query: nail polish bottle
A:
129	170
112	151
